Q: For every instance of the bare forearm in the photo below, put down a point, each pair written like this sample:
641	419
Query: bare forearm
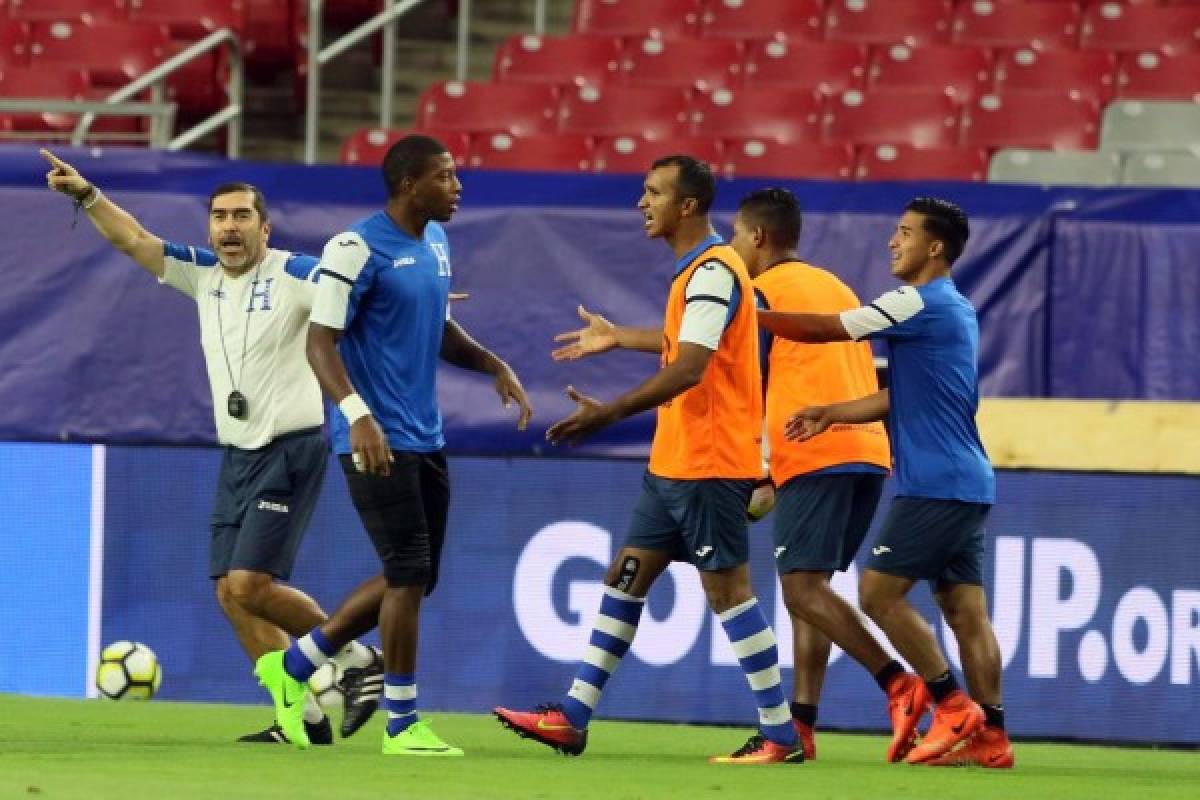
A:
647	340
669	382
801	327
125	233
872	408
459	349
326	362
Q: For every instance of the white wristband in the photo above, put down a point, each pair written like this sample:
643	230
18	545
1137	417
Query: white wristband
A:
86	205
353	408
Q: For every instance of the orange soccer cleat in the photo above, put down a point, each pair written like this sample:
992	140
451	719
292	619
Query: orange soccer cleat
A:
546	724
807	736
908	700
955	719
988	748
758	749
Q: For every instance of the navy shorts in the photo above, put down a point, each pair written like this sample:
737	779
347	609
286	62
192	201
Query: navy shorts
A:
821	520
702	522
404	514
940	541
265	498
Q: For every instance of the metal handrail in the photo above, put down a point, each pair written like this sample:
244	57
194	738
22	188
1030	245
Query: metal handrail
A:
230	115
318	57
163	113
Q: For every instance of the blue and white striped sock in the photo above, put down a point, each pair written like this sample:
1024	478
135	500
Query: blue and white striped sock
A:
308	654
754	645
612	634
400	701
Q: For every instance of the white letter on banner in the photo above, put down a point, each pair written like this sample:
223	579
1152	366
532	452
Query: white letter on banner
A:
1007	600
533	588
1049	612
1185	634
1144	604
662	642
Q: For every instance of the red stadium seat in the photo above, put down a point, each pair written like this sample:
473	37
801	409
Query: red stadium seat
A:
548	152
88	12
14	43
349	13
921	118
889	162
911	22
269	40
1112	26
961	72
1041	26
1154	76
827	67
653	113
62	83
637	18
762	19
192	20
1045	120
764	159
563	60
758	112
1087	74
113	54
518	108
368	146
701	64
634	154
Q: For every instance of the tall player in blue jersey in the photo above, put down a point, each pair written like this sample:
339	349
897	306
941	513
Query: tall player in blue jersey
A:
945	488
379	324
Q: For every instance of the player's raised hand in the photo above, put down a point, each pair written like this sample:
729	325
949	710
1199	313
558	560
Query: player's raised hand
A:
808	422
64	178
509	387
590	416
599	335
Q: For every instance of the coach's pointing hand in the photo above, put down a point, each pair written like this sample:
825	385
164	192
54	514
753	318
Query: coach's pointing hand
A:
64	178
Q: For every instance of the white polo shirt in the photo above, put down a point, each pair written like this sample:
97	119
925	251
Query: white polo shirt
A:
253	330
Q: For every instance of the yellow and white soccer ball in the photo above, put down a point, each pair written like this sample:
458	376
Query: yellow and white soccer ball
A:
128	671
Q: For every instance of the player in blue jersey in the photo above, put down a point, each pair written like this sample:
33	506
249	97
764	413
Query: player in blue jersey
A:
380	323
253	303
945	487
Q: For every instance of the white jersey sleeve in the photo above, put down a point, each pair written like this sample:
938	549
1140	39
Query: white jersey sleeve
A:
342	262
708	296
888	312
185	267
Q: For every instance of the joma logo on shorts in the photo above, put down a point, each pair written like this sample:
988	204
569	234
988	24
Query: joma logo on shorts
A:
267	505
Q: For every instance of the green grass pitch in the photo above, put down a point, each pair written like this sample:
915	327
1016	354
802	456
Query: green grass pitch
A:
100	750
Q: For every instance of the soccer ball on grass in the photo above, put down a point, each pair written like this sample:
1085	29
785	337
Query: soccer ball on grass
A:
128	671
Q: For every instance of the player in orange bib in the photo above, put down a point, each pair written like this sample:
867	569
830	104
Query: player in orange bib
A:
704	461
828	487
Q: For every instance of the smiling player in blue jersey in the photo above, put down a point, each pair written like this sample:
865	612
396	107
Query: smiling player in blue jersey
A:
380	323
945	487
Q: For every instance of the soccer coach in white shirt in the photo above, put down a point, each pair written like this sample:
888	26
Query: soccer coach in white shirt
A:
254	304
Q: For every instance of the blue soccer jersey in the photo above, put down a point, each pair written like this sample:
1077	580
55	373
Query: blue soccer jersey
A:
932	338
388	293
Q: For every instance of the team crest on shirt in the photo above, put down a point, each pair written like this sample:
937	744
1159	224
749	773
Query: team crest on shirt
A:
443	257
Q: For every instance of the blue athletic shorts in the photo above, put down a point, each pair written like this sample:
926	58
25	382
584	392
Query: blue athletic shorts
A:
941	541
821	520
702	522
264	500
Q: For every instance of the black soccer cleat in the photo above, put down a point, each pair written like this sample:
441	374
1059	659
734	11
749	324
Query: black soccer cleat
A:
362	687
318	733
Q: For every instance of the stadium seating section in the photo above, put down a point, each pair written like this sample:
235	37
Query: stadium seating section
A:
837	89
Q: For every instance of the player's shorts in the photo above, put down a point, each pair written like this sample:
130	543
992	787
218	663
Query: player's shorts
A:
404	514
265	498
941	541
821	520
702	522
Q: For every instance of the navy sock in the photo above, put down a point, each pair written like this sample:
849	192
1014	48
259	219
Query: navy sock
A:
994	715
942	685
803	712
890	670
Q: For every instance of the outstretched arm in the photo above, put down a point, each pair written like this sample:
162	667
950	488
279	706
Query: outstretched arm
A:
814	420
802	327
600	335
459	349
672	380
115	224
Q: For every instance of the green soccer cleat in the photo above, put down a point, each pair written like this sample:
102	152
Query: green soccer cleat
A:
288	694
417	739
